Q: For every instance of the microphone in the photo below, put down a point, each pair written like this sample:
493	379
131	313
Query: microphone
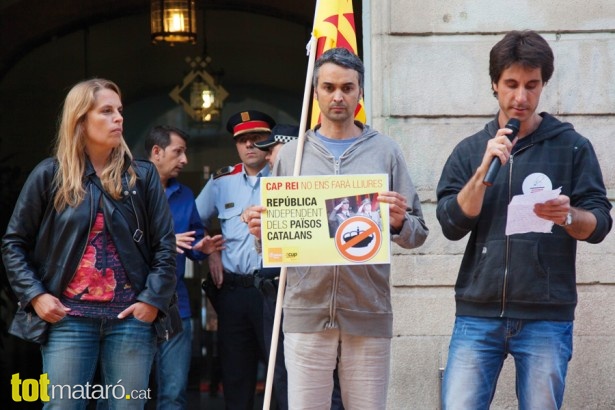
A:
513	124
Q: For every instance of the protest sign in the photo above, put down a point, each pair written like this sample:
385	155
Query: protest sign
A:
324	220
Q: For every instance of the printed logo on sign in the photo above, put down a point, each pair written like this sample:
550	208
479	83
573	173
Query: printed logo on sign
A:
358	239
536	182
275	255
291	254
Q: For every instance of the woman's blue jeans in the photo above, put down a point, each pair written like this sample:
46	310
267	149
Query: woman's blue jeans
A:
124	351
541	350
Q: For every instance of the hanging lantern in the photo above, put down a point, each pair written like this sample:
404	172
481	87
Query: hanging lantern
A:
173	21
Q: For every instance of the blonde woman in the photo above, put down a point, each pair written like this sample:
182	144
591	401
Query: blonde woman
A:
90	253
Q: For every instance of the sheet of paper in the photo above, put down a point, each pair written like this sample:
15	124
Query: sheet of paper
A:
521	217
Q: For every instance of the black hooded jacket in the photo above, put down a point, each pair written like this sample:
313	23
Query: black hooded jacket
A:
530	275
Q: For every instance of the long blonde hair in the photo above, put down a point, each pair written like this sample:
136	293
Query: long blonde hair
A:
70	148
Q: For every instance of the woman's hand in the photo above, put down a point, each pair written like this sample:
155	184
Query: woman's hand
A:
141	311
49	308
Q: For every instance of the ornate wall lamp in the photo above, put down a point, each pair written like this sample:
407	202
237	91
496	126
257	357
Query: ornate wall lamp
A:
199	94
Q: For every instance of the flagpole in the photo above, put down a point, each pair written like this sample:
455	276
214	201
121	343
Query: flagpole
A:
307	95
275	334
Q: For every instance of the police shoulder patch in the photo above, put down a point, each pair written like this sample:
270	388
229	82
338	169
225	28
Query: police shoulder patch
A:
228	170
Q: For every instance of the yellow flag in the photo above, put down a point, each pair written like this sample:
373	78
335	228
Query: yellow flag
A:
334	27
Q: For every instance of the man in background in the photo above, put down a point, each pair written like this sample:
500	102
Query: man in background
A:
166	148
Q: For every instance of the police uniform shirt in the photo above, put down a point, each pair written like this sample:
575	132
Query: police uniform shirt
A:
226	197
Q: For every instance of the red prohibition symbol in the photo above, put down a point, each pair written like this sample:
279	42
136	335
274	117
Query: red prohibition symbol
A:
358	239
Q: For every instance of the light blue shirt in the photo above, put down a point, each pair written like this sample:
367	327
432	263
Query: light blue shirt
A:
226	197
336	147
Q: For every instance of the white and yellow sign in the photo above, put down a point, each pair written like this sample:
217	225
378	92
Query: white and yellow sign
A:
324	220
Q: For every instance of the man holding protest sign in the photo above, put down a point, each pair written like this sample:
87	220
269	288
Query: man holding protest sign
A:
268	285
344	311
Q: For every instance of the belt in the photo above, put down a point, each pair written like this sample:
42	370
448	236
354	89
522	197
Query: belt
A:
238	279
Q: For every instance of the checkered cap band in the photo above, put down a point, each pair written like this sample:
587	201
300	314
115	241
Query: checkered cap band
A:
284	138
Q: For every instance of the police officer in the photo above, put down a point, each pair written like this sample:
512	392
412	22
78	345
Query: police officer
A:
235	298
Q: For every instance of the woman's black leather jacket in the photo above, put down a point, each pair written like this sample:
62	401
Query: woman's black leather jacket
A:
42	248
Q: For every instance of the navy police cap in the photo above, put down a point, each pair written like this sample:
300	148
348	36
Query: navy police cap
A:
282	133
249	121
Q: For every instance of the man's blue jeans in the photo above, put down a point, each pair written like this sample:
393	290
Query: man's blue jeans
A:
541	350
173	365
123	349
